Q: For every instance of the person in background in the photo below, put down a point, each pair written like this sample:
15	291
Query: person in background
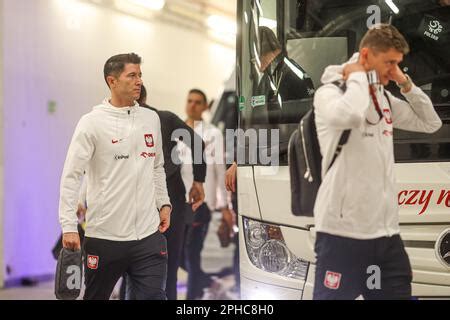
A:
215	192
280	80
176	189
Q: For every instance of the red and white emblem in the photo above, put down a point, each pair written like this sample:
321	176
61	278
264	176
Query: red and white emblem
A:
332	280
149	140
92	262
387	116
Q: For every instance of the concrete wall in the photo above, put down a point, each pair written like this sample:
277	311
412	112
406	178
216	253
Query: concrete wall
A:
54	51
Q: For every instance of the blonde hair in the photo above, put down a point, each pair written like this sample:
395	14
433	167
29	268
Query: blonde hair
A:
383	37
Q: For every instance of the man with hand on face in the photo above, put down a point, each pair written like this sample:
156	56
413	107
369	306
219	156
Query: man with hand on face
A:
356	210
120	145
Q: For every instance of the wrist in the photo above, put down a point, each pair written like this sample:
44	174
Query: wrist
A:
167	206
406	84
70	228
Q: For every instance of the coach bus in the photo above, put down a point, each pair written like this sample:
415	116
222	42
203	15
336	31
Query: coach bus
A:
277	259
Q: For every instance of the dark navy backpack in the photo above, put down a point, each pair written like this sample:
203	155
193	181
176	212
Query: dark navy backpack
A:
305	163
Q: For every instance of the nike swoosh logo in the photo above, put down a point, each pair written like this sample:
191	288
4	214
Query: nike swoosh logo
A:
115	141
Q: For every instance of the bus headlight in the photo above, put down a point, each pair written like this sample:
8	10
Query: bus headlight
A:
267	250
274	257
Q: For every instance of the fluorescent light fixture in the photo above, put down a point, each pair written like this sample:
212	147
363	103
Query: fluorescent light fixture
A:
140	8
393	7
221	25
155	5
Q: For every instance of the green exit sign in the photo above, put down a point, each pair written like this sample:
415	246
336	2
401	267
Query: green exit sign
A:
51	106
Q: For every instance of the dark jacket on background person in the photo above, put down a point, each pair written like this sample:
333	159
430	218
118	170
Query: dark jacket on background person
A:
169	123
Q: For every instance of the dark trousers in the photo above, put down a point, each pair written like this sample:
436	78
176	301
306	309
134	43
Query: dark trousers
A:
193	246
175	239
376	269
145	262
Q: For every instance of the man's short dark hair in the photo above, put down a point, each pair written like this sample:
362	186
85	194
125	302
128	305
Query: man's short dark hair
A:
268	40
116	65
199	92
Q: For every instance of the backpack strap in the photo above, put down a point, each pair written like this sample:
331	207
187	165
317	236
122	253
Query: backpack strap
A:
341	85
342	142
345	135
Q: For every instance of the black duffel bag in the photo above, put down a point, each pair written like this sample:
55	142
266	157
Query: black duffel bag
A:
69	275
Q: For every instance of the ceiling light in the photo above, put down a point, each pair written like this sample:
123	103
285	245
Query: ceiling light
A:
155	5
221	25
393	7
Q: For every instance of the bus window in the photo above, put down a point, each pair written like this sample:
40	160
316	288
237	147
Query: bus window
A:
226	113
426	26
310	35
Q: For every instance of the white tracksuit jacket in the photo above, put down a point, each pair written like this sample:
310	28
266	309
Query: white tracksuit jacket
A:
358	196
121	151
215	190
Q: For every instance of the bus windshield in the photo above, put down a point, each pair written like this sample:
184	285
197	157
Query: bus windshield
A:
285	45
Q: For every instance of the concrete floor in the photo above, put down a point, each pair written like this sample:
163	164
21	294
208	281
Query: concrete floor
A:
44	291
214	259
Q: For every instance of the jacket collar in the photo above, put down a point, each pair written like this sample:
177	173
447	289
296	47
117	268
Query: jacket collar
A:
108	107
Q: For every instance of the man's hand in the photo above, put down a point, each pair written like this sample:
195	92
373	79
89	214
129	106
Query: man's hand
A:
71	241
196	195
400	78
228	218
225	231
230	178
397	75
164	216
353	67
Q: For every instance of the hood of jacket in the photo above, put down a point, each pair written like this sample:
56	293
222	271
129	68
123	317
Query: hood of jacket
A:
334	73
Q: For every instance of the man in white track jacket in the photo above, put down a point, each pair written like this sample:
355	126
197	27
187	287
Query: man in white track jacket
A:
356	210
120	146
